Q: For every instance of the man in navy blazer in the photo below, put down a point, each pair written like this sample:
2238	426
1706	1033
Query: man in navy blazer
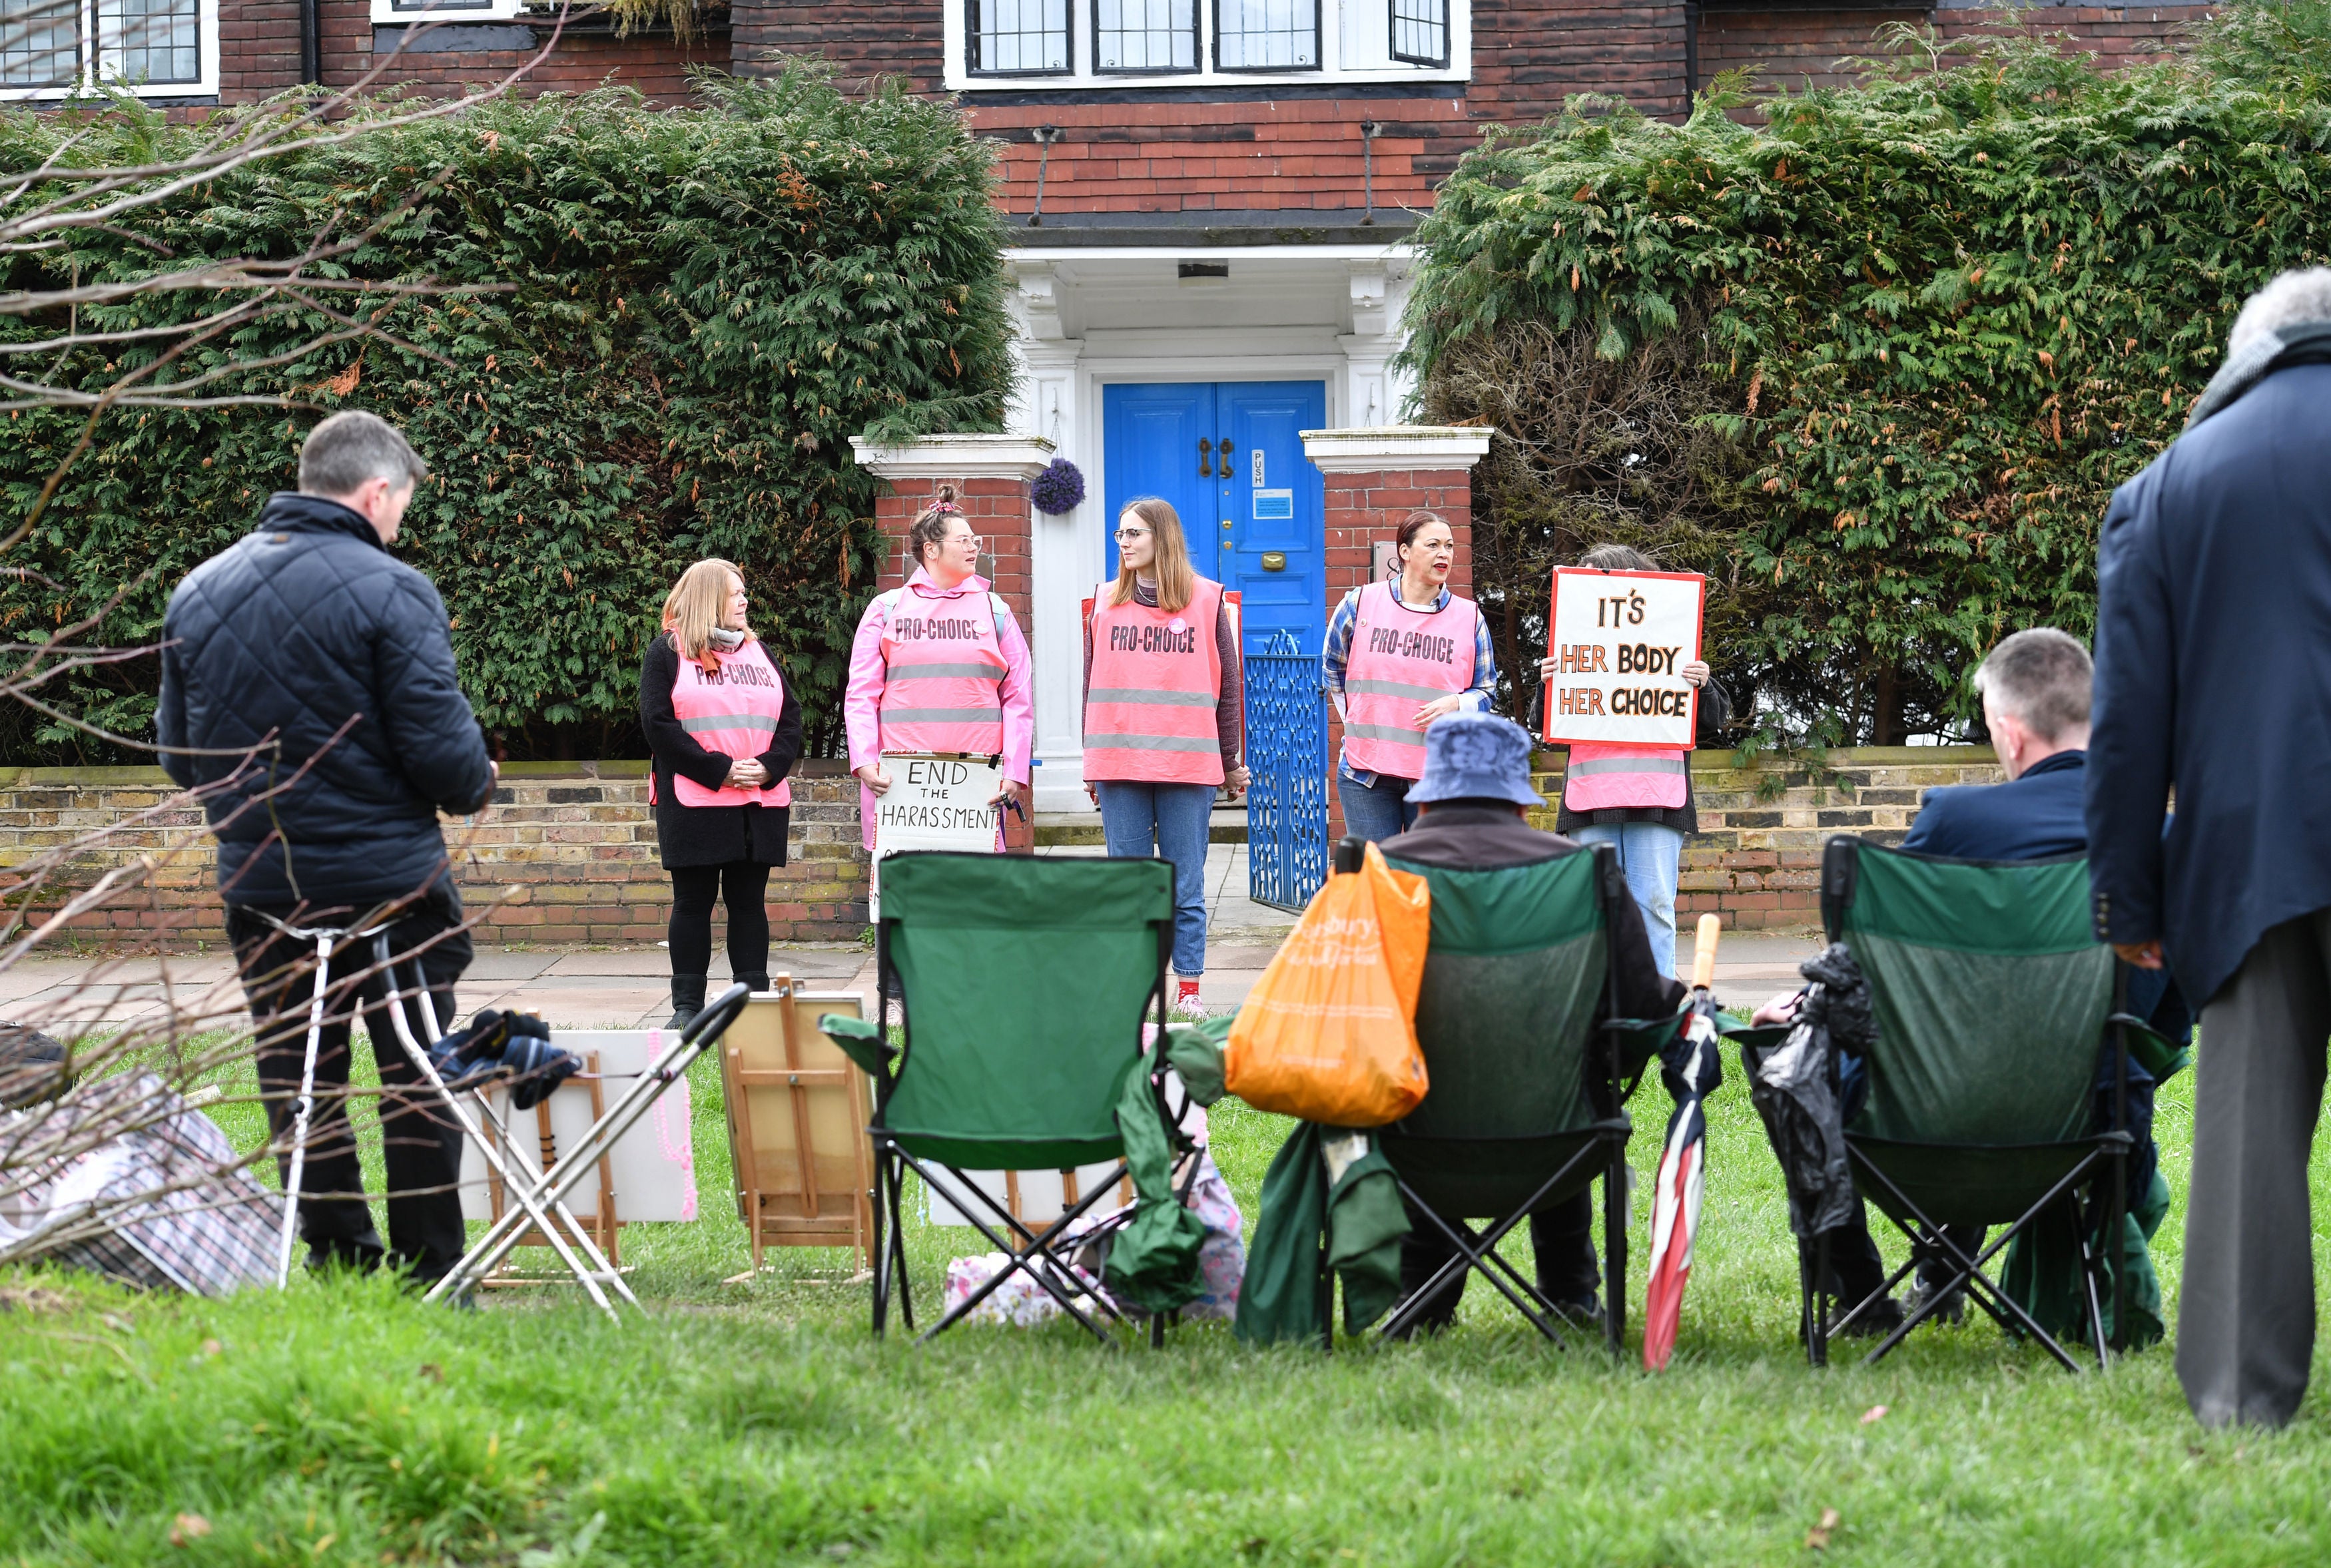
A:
2035	687
2035	703
2213	678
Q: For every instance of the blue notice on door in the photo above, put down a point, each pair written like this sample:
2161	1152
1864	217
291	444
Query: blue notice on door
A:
1274	506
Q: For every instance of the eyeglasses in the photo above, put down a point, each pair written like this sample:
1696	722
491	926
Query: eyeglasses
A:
1127	536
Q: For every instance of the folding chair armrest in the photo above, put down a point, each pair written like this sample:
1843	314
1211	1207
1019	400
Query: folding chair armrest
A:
2150	1050
864	1041
1639	1040
1196	1052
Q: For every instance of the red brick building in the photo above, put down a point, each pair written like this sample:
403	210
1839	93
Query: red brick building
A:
1210	200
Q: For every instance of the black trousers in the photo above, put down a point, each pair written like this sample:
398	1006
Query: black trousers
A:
1562	1234
744	887
420	1142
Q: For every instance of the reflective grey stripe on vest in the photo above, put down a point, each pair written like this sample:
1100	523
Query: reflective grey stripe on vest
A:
760	721
1151	743
1630	764
945	672
1398	737
940	714
1396	689
1158	698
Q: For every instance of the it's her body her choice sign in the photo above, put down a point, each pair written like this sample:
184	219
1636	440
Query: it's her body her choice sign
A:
1621	640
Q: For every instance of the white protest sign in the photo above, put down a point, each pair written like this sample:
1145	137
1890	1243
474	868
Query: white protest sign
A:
934	801
1620	641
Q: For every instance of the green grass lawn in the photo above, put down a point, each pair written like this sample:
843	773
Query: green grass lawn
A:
762	1423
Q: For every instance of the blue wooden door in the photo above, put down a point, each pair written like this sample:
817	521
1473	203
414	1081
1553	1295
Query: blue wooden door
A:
1229	457
1271	517
1256	519
1150	436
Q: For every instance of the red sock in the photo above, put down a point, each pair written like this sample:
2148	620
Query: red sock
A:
1187	992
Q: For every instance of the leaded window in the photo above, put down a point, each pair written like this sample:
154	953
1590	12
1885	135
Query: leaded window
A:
1019	37
1419	32
1144	35
1266	34
62	43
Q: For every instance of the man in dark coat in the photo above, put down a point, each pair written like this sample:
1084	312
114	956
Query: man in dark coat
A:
308	693
1473	802
2213	677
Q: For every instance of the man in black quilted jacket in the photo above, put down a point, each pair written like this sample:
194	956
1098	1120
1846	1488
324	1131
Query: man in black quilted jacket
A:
319	671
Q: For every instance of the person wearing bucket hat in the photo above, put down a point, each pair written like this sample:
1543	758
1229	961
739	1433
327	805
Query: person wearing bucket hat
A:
1472	804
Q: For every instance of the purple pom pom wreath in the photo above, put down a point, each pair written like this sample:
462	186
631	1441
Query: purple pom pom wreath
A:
1059	488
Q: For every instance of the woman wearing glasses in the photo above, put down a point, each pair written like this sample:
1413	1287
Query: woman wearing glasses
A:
939	665
1164	716
724	729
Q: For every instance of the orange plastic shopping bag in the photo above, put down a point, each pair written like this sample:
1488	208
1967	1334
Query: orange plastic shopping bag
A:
1329	1032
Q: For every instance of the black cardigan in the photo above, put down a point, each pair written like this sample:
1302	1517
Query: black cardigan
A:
709	835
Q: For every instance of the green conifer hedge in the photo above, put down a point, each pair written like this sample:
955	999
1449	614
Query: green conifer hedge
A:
1877	362
707	303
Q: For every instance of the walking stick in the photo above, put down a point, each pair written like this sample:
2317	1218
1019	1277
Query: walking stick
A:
303	1109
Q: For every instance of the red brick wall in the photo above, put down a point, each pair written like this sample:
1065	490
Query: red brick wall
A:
259	55
1302	152
864	38
997	509
1296	154
1791	48
578	839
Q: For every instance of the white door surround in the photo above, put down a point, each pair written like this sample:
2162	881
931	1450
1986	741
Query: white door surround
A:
1091	316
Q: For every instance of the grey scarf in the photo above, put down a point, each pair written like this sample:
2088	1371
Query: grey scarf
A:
2304	343
722	638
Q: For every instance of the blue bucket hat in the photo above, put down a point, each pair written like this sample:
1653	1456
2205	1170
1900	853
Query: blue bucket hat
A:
1476	756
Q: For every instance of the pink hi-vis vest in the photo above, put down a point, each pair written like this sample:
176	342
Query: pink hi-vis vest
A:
943	675
1156	681
733	713
1400	658
1601	778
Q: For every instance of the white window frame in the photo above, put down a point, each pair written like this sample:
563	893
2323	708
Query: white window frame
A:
410	13
1348	31
94	68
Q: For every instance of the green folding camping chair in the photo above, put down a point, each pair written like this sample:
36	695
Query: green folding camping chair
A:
1992	999
1026	983
1526	1106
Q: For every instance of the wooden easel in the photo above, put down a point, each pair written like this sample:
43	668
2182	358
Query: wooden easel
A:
798	1114
601	1225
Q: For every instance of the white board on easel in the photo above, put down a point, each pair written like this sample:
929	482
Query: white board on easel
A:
1620	641
935	800
652	1168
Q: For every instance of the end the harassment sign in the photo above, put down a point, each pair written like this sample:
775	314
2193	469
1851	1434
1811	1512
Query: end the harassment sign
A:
1619	641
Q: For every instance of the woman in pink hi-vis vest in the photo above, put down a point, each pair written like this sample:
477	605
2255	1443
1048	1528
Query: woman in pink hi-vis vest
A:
1400	654
1637	801
723	730
939	665
1164	716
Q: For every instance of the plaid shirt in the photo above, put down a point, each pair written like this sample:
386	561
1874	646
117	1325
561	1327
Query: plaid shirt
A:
1480	693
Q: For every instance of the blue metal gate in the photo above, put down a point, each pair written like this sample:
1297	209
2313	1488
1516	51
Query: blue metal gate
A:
1287	753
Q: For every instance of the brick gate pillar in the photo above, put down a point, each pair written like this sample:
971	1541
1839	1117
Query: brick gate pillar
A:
1375	478
990	474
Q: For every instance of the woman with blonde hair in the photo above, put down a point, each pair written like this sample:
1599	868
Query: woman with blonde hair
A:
723	731
1164	716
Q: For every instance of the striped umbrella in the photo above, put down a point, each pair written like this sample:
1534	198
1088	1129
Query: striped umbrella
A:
1691	1068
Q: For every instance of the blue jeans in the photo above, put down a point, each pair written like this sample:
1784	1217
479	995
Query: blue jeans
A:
1376	812
1176	819
1649	853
